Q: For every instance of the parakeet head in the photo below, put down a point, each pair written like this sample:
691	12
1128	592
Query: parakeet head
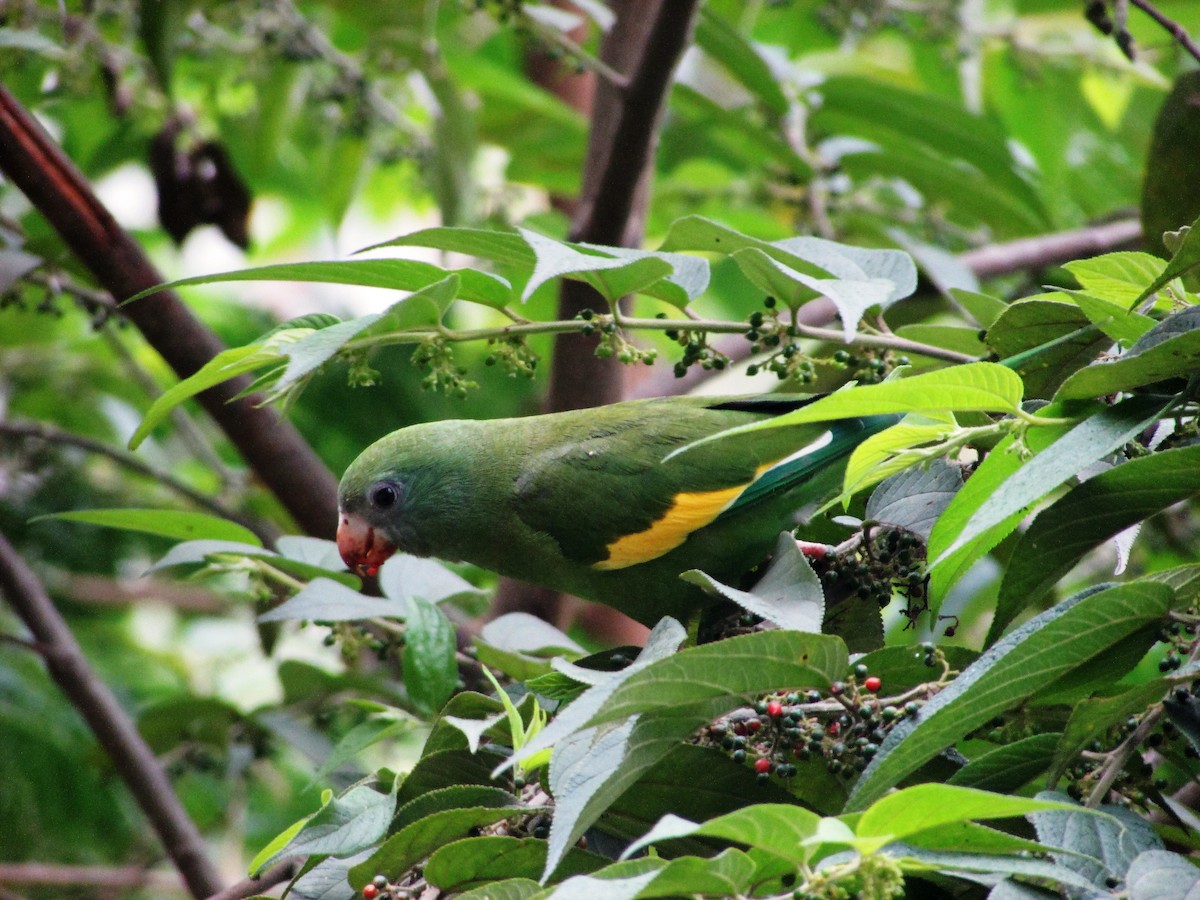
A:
372	501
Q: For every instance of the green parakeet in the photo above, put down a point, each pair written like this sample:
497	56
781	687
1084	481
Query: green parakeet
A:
585	502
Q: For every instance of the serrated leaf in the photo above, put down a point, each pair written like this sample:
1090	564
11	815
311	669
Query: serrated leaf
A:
1113	319
1040	651
1090	514
778	828
916	498
168	523
852	298
325	600
1009	767
1157	874
912	810
1044	341
1183	260
1101	846
1169	350
1117	277
430	666
417	840
612	277
789	594
405	576
344	825
472	862
882	454
1092	439
986	387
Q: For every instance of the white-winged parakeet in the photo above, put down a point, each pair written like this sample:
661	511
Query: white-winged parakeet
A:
583	501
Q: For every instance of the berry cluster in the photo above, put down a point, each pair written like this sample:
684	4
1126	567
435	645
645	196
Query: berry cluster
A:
868	367
843	726
513	355
696	351
878	564
612	340
433	355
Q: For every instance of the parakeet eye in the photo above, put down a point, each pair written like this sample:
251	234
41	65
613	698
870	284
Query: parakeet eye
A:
383	496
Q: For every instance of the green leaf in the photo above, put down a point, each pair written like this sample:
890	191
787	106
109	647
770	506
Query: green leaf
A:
1091	719
1045	342
169	523
882	454
344	825
1156	874
499	246
789	594
1090	514
430	665
1113	319
417	840
405	576
1092	439
473	862
687	282
394	274
359	738
985	387
1099	846
1169	350
225	365
1117	277
611	276
325	600
852	298
915	498
1043	649
741	58
276	846
1185	258
948	337
983	308
1170	193
1009	767
914	809
778	828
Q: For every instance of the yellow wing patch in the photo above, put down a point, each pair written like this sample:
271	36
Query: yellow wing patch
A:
688	513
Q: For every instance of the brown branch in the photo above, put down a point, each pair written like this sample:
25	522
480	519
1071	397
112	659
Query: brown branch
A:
1052	249
49	434
277	874
271	447
88	877
116	733
1176	30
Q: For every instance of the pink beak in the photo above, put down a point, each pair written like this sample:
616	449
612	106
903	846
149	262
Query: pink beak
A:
363	550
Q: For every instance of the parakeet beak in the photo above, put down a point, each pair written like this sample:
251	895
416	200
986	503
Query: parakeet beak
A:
363	549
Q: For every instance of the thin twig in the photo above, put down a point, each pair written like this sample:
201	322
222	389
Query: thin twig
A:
41	431
133	760
277	874
1051	249
1176	30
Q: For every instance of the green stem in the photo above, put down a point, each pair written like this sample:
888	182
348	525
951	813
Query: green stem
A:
712	326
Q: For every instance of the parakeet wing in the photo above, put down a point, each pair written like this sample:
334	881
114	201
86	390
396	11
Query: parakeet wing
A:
609	500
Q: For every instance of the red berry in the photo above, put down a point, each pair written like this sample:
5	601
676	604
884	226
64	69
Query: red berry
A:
752	725
774	709
370	892
873	683
762	765
834	728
